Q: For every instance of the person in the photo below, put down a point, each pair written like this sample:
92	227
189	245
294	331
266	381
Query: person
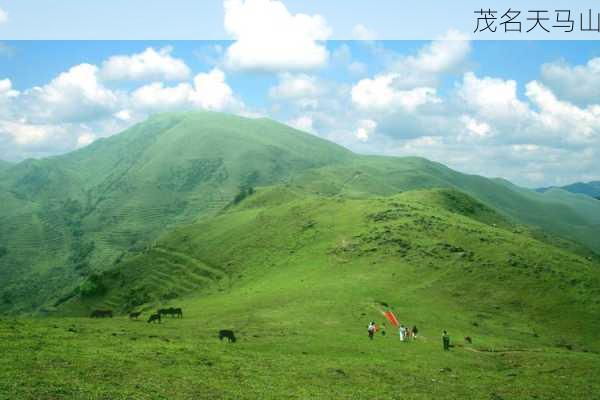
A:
383	329
415	331
371	329
446	341
402	333
409	333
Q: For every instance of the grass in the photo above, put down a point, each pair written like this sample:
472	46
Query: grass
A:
304	278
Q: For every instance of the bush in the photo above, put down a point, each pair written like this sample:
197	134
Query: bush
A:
93	286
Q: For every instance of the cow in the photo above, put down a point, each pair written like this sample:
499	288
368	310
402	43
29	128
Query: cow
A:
101	314
134	314
154	318
227	333
173	312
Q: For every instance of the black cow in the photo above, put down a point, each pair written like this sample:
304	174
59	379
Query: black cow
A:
173	312
101	314
134	314
154	318
226	333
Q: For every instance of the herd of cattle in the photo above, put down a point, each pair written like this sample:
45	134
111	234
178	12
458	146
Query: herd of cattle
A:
172	311
156	317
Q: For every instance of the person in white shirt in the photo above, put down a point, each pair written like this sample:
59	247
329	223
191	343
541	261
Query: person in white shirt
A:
402	333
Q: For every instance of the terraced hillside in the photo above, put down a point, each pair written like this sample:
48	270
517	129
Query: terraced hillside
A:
66	219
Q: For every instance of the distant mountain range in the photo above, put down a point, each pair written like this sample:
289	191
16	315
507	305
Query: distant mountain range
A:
591	189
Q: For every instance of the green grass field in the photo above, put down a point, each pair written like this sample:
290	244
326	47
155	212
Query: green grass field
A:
299	280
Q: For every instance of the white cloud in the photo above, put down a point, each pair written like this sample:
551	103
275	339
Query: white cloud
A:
150	64
303	123
210	91
6	89
75	95
292	86
3	16
380	93
475	128
492	97
444	55
580	83
366	128
361	32
85	138
25	134
563	118
268	37
123	115
156	96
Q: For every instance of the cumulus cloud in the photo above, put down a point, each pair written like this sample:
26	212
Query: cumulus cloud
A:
365	129
295	86
269	38
579	84
85	138
474	128
303	123
3	16
149	64
492	97
380	94
209	91
74	95
446	54
6	89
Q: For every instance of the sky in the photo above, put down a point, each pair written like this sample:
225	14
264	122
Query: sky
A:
527	111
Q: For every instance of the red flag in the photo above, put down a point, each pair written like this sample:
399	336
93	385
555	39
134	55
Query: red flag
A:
391	317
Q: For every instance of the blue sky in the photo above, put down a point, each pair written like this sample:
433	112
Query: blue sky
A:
527	111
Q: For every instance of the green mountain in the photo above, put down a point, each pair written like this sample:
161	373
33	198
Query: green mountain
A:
591	189
295	244
68	218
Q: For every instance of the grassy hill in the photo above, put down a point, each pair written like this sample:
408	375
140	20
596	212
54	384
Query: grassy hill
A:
66	219
298	276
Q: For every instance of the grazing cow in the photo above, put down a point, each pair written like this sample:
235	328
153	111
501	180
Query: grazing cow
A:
154	318
468	339
101	314
226	333
134	314
173	312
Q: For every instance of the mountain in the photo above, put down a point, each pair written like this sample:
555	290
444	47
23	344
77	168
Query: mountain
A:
591	189
295	244
68	218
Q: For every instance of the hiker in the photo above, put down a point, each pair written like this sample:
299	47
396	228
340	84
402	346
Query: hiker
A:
371	329
415	331
446	341
402	332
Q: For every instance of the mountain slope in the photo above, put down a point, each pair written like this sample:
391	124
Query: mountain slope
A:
65	217
69	217
298	276
591	189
